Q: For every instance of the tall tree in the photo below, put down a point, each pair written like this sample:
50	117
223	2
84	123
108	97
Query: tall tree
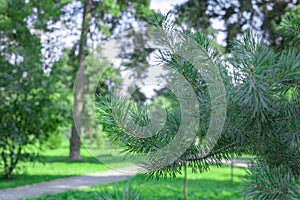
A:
104	18
79	91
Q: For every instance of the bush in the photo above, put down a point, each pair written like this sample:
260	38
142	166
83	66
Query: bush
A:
54	141
128	193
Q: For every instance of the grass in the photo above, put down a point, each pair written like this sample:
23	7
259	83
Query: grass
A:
56	164
213	185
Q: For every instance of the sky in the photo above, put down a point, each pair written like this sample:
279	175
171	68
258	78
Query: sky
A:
164	5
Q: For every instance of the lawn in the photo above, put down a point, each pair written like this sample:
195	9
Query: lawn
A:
213	185
56	164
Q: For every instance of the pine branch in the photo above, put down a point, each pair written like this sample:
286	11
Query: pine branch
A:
212	153
290	29
267	190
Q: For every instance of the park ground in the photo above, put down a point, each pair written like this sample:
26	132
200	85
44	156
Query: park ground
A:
55	164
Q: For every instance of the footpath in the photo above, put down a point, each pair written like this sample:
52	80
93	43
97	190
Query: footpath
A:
71	183
81	182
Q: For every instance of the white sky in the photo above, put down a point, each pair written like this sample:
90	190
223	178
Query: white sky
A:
164	5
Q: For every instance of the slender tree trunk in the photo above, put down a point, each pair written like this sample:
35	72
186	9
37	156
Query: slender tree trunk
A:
10	161
90	131
75	145
232	167
185	187
8	173
5	163
79	92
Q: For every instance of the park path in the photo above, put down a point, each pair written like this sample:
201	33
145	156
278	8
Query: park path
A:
80	182
71	183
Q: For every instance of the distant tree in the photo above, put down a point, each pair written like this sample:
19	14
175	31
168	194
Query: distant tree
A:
238	16
97	64
104	17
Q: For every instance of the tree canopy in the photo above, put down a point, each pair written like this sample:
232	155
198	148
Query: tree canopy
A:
235	16
26	89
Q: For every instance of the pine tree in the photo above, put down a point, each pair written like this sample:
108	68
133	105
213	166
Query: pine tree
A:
261	92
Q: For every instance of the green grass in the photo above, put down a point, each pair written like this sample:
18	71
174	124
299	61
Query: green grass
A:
56	164
212	185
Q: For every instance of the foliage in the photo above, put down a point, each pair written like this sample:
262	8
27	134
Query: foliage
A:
100	140
128	192
290	26
54	141
26	90
101	78
36	82
99	20
262	93
237	16
280	184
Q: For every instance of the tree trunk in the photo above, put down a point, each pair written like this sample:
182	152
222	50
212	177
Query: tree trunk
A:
90	131
75	145
185	187
232	167
10	161
79	92
8	173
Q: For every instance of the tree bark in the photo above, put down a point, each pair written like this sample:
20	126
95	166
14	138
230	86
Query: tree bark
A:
79	92
75	145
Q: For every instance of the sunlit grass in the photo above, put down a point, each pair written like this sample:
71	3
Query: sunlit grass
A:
215	184
56	164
